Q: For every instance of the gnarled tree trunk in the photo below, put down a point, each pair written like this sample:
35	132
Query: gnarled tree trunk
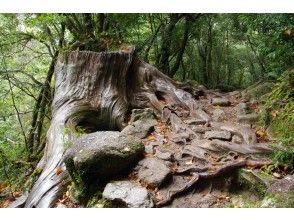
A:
96	91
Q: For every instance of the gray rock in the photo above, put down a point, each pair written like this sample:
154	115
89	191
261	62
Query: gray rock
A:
280	194
283	185
141	128
181	138
222	135
178	140
127	194
218	115
201	116
142	114
236	139
166	155
62	206
247	134
199	129
153	171
102	154
257	179
195	121
220	101
149	149
194	150
241	108
141	124
248	118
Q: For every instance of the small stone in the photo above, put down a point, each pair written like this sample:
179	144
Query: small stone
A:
201	116
199	129
142	114
277	175
236	139
241	108
220	101
164	155
222	135
127	194
195	122
218	115
283	185
179	139
60	205
248	118
149	149
268	203
140	128
141	124
153	171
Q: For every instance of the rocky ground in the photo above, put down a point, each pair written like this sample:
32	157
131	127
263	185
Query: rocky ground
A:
212	157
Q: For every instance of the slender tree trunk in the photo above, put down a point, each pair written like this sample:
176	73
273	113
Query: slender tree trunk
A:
258	57
208	53
43	101
150	43
18	115
40	107
179	58
228	72
165	50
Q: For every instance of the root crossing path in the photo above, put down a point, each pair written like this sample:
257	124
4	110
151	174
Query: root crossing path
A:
188	157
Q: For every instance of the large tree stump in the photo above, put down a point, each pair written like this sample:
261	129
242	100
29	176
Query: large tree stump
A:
96	91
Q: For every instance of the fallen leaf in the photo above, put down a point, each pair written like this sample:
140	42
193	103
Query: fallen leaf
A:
151	138
190	162
58	171
277	175
274	114
16	194
3	186
260	134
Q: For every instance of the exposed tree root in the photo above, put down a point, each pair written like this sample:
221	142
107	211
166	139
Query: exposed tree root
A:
173	193
199	173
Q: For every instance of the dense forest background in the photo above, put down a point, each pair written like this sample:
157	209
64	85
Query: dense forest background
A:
220	51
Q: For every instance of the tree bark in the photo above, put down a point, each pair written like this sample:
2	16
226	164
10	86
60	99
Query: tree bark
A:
96	91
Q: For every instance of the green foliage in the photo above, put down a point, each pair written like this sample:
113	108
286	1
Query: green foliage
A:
278	110
76	193
285	156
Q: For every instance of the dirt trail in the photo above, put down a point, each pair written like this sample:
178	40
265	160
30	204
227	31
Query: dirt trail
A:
213	141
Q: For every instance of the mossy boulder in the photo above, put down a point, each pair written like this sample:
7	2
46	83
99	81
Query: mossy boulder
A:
101	155
255	181
280	194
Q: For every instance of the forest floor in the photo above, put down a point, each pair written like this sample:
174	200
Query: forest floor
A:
224	165
225	125
217	157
